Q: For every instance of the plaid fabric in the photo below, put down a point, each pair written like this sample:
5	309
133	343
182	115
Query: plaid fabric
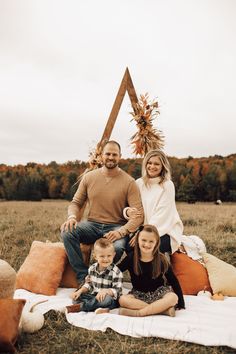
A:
110	278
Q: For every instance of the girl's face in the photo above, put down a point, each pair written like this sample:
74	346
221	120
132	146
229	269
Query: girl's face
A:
154	167
147	242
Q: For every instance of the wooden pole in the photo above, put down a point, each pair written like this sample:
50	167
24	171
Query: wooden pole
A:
126	85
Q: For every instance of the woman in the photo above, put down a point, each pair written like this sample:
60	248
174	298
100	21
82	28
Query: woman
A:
158	198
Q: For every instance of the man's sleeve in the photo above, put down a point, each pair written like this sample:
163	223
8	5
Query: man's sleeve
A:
79	199
134	201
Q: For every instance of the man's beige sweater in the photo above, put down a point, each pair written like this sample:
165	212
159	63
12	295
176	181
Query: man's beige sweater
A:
107	197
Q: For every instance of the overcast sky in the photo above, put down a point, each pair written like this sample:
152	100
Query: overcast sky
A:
61	64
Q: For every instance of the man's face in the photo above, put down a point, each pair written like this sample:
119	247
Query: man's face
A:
111	156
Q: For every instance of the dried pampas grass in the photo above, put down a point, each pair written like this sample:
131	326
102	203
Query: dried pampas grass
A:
147	137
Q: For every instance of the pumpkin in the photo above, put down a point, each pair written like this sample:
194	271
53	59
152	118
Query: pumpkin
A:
218	296
204	293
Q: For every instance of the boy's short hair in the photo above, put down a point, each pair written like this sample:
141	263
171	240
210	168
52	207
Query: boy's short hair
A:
103	243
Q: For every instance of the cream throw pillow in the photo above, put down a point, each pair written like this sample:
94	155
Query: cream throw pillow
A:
222	276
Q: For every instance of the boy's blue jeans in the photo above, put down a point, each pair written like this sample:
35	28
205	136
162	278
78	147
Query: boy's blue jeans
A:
88	232
90	303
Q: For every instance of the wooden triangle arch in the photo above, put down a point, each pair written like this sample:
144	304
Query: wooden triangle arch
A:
126	85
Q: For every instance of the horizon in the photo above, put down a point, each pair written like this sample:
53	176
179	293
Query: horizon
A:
122	157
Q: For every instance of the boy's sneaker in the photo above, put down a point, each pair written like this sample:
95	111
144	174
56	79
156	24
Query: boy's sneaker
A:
101	310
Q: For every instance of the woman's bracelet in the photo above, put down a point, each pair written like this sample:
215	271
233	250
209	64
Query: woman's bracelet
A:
125	213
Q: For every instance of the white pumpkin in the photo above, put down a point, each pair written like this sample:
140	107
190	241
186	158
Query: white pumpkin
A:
30	321
204	293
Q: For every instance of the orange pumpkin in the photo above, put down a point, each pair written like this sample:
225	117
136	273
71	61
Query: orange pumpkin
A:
218	296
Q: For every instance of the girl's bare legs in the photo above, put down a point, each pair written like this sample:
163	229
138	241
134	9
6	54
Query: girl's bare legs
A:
161	306
129	302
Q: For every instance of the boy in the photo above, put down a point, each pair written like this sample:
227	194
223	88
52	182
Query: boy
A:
101	291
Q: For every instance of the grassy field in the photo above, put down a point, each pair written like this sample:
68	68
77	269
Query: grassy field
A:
23	222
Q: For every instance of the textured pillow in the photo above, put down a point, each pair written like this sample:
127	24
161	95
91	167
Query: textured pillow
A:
42	269
222	275
69	277
7	280
191	274
10	313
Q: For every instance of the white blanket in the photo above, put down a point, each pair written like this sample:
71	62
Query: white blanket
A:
204	321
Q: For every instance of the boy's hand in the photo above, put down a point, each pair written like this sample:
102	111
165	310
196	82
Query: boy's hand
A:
75	295
102	294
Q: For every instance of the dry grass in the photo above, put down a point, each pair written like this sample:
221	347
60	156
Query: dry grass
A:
23	222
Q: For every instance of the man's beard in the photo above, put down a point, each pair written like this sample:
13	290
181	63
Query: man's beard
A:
111	164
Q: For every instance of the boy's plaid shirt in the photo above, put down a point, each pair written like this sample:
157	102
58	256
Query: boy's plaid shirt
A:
110	278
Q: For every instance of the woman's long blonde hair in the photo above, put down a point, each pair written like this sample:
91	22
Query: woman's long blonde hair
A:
159	263
166	169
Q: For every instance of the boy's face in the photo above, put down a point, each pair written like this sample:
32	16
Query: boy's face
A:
104	256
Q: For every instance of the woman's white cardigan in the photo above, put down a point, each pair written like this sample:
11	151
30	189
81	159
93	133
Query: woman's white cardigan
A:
160	209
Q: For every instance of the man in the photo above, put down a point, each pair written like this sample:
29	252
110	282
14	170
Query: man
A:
107	191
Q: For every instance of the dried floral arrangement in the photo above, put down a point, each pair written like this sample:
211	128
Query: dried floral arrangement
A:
95	161
95	157
147	137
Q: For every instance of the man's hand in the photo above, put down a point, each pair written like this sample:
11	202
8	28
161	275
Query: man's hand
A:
68	225
112	235
102	294
132	241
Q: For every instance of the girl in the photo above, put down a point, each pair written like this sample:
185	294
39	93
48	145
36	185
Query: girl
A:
156	290
158	199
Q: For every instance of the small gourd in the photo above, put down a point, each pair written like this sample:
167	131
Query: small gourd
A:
218	296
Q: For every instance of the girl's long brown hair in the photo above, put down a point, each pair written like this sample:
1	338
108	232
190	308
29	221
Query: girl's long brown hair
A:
159	259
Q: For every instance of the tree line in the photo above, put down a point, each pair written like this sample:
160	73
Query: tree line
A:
195	179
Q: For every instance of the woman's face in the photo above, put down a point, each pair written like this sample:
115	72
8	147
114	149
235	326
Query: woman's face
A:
153	167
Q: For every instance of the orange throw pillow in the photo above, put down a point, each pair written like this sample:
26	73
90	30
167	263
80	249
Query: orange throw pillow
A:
69	279
42	269
191	274
10	314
